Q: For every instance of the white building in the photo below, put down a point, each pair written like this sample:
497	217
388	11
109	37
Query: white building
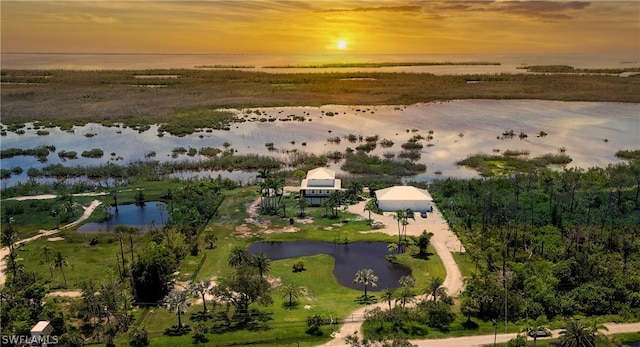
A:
40	334
404	197
318	185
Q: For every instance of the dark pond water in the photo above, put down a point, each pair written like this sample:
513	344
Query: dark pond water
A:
349	258
152	214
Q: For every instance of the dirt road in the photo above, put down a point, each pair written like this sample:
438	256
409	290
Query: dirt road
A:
4	252
487	340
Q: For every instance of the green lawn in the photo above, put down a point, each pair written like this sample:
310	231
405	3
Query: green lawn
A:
286	326
85	262
465	264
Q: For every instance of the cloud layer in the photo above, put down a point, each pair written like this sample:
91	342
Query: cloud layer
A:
313	27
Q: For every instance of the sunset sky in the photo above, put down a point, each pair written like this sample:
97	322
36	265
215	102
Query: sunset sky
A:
321	27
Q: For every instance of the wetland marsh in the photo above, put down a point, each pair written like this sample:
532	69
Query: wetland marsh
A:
590	133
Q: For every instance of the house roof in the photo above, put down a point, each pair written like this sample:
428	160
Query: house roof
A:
43	327
403	193
335	186
321	173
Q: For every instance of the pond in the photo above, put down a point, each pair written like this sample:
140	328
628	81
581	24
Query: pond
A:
349	258
152	214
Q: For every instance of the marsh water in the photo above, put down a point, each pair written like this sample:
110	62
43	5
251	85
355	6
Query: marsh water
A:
152	214
589	132
349	258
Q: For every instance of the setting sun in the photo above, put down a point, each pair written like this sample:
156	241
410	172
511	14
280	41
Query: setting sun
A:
341	44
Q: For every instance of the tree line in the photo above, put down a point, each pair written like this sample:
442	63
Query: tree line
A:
555	243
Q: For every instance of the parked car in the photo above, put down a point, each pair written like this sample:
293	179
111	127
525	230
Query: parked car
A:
423	214
539	333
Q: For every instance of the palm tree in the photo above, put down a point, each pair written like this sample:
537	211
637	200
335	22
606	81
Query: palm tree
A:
302	204
333	202
120	230
292	292
534	327
261	262
9	234
239	256
435	288
201	288
399	217
354	190
423	241
140	198
387	296
407	281
115	199
408	213
370	206
367	278
577	334
56	213
469	307
61	263
47	256
404	296
265	189
131	231
210	239
177	302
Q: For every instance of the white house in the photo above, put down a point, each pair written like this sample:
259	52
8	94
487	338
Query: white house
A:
40	334
404	197
318	185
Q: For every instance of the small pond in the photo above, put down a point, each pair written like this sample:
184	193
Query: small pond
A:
349	258
152	214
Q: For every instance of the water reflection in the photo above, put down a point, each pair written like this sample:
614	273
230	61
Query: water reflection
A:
349	258
152	214
591	133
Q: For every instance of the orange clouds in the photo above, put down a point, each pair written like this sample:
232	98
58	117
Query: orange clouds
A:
313	27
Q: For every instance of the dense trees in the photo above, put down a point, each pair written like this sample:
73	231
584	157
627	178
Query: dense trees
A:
152	272
560	242
241	289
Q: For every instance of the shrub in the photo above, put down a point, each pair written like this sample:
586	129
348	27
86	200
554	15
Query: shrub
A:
94	153
314	323
298	266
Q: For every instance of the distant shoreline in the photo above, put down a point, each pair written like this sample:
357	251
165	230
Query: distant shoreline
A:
439	64
144	96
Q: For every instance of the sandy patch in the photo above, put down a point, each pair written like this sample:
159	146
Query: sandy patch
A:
66	293
287	229
305	220
275	282
243	230
207	296
55	238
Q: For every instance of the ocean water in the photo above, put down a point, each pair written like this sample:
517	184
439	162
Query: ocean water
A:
121	61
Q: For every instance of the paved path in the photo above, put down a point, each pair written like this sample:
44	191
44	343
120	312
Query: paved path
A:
444	241
4	252
484	340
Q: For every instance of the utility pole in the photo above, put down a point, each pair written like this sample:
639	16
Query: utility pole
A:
495	331
504	274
